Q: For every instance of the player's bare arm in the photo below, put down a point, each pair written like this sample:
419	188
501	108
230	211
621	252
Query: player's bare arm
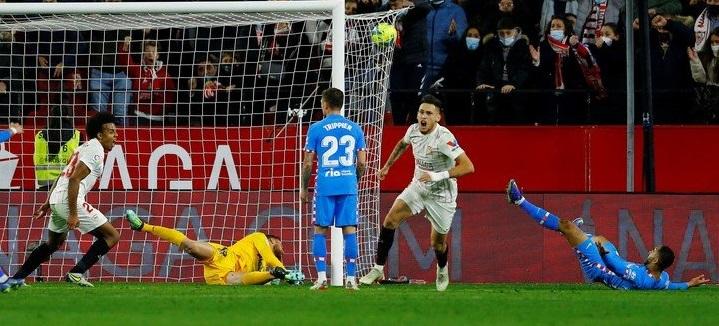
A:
697	281
397	152
463	167
361	163
45	207
306	173
80	172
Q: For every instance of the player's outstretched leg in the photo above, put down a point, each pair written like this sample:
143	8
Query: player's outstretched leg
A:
38	256
541	216
171	235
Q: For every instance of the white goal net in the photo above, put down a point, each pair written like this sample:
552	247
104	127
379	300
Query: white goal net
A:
212	111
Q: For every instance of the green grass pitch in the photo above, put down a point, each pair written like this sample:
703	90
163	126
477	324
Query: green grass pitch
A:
462	304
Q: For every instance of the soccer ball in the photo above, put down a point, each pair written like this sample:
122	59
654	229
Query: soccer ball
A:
384	34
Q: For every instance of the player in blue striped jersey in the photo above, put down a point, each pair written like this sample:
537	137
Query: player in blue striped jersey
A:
599	258
341	161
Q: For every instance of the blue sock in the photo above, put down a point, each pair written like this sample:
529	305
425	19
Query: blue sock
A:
544	218
351	253
3	276
319	250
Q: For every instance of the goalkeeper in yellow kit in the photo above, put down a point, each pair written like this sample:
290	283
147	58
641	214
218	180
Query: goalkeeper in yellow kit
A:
255	259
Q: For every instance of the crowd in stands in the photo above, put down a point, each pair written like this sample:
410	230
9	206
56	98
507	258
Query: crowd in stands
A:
522	62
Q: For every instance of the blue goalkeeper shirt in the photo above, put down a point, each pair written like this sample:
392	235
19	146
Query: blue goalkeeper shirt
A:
638	274
336	141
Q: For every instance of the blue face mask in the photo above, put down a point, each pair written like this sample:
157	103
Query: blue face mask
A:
508	41
557	34
472	43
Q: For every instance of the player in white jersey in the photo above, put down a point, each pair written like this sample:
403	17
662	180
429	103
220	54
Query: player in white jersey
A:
438	162
68	206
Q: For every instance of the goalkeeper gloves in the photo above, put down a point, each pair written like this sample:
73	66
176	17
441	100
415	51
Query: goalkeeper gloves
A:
278	272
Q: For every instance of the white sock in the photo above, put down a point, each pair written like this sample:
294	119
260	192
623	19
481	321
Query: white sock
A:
379	267
321	276
441	269
351	279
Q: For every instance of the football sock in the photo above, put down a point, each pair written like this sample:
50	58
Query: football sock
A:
254	278
384	244
173	236
442	257
351	253
98	249
544	218
319	251
37	257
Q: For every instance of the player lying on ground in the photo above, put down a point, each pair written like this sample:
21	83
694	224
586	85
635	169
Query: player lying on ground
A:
253	260
599	258
70	210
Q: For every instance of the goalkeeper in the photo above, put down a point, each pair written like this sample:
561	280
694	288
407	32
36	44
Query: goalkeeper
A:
243	263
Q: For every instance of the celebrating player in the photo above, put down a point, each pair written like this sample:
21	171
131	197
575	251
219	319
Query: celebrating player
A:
438	162
243	263
13	129
599	258
337	141
69	209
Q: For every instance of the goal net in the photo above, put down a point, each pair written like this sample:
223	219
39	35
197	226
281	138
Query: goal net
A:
212	110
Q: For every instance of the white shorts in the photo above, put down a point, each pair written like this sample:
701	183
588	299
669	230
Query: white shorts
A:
90	218
440	205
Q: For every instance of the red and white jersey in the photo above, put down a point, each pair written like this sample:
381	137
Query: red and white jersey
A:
92	155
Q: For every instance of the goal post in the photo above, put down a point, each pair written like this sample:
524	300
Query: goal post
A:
212	148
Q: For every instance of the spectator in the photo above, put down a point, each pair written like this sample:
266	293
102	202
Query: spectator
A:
593	14
53	148
205	91
514	10
408	63
368	6
557	60
154	87
446	24
459	72
109	84
671	74
705	71
505	68
707	21
610	52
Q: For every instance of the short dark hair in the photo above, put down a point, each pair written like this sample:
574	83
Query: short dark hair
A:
614	27
95	123
333	97
666	257
431	99
506	23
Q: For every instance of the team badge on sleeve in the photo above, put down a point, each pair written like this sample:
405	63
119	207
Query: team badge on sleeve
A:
453	144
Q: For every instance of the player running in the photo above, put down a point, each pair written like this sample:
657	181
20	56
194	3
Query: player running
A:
438	162
336	141
255	259
69	209
599	258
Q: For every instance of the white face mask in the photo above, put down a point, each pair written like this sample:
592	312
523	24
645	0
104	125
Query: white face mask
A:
557	34
607	41
715	50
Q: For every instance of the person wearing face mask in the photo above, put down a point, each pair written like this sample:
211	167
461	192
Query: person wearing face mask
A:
558	69
610	52
705	72
505	68
460	72
516	10
446	23
592	15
